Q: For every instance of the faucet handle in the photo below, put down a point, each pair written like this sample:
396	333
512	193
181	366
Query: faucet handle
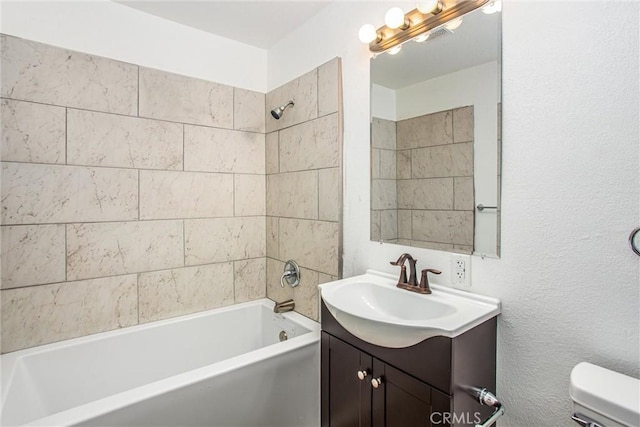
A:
424	280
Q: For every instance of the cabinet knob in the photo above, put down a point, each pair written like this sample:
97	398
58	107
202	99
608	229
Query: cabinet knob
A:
363	374
376	382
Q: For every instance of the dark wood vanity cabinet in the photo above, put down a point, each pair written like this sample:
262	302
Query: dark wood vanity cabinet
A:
421	385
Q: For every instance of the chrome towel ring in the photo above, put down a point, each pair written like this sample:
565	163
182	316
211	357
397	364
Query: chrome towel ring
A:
633	242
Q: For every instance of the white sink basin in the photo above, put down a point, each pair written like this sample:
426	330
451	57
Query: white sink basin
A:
373	309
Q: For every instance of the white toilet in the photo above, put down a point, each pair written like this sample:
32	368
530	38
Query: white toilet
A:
604	398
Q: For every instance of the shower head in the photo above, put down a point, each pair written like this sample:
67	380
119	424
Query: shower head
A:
277	112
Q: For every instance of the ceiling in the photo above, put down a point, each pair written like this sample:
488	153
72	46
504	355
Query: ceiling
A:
257	23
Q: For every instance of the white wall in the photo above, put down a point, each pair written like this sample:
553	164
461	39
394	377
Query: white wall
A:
116	31
567	279
383	102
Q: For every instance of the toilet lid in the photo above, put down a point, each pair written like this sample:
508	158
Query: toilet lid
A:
606	392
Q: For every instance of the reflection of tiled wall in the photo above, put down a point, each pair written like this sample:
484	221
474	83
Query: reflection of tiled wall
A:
426	197
435	180
384	199
304	185
128	194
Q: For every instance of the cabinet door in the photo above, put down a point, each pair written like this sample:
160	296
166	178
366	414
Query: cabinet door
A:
403	401
346	400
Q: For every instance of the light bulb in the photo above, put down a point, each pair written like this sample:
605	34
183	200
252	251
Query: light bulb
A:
492	7
429	6
452	25
394	18
367	33
422	38
395	49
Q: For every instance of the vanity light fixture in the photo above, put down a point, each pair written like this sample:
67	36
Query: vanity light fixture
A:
492	7
416	24
431	6
454	24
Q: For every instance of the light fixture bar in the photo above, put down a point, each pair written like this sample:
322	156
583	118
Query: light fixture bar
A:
420	25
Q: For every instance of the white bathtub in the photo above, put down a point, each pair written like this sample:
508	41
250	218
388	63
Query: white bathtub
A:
223	367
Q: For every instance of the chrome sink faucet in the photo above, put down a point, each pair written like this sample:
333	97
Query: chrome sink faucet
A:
413	279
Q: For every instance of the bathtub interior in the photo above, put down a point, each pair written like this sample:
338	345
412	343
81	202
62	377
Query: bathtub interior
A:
53	378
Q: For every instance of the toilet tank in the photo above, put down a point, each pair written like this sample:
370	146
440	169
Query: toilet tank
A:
606	397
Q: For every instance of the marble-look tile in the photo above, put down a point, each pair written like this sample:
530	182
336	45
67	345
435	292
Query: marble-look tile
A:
168	194
32	132
32	255
304	90
404	224
221	150
443	161
464	197
109	249
39	315
425	131
36	193
272	237
37	72
375	163
375	234
387	164
329	194
293	195
250	278
224	239
329	87
383	134
276	292
171	293
313	244
248	110
403	164
184	99
249	195
305	294
433	194
389	224
384	194
272	153
454	227
462	249
463	124
100	139
310	145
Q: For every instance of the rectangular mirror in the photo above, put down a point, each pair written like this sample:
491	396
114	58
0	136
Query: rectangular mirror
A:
435	139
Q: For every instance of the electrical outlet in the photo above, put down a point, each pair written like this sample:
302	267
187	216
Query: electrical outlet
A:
461	271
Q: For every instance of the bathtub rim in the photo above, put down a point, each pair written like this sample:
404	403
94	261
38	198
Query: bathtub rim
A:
126	398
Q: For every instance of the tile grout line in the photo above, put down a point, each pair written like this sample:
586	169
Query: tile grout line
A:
131	116
137	273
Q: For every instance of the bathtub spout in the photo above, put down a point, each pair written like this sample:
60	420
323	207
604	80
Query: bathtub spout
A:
284	306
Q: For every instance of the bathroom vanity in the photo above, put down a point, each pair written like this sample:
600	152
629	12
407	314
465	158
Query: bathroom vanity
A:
425	384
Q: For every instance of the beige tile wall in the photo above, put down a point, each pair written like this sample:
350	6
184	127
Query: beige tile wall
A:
384	192
422	180
304	185
131	195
